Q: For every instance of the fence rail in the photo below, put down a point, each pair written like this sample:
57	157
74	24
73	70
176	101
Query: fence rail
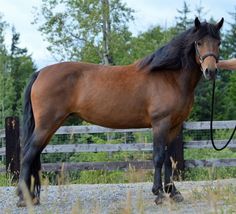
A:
201	125
124	165
131	147
205	125
2	133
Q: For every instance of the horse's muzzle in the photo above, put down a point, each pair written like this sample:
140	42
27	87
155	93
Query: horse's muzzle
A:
210	73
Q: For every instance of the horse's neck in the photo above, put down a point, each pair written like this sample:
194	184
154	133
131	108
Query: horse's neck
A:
189	80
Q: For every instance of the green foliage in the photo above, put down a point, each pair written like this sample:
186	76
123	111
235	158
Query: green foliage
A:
198	174
229	42
15	68
5	179
83	27
213	173
203	98
183	20
147	42
208	154
230	99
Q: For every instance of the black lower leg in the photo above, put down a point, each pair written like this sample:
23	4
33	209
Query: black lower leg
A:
168	173
158	160
29	168
169	186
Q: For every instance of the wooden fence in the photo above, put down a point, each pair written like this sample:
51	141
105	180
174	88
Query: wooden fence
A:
11	134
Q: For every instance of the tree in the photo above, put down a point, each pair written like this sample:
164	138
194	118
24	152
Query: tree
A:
229	42
230	98
16	66
183	22
20	68
80	24
147	42
199	11
3	68
228	78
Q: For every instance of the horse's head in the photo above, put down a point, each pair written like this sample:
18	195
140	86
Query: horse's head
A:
207	47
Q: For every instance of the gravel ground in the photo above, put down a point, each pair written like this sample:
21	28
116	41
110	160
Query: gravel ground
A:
122	199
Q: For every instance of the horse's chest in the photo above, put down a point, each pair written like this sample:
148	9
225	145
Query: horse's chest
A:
183	109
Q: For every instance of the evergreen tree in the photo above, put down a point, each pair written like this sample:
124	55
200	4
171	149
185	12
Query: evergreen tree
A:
21	67
3	71
183	22
229	41
15	68
230	98
147	42
199	11
228	78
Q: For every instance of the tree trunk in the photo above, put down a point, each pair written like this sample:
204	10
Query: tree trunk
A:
106	31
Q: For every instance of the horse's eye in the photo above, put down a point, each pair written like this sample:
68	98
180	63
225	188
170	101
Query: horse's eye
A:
199	43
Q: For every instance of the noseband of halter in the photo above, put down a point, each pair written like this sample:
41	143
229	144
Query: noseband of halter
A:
202	58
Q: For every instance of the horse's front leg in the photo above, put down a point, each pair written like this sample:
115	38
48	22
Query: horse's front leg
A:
169	186
160	133
170	165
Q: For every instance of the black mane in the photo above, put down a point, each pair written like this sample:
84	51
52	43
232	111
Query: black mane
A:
179	53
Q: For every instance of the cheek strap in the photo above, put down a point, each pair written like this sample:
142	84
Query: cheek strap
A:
202	58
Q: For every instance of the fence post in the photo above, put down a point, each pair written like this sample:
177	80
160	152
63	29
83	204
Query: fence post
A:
177	151
12	130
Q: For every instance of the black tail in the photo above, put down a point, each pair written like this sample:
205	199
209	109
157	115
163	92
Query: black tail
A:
28	116
28	129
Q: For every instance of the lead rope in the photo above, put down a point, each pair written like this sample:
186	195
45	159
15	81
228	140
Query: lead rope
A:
211	122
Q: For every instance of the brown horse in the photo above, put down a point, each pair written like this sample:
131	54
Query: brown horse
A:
157	92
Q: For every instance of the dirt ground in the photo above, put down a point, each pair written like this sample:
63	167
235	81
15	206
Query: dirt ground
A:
200	197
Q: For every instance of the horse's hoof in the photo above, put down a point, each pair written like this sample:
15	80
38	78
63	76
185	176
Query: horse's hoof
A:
22	203
36	201
160	198
176	197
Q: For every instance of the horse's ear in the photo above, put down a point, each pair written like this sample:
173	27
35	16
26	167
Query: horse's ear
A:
220	24
197	23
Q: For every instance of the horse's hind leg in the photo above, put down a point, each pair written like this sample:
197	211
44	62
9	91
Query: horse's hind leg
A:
30	165
30	168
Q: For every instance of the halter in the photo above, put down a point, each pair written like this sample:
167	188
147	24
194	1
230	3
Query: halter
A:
202	58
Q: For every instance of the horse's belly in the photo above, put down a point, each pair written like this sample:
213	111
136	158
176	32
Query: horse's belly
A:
114	118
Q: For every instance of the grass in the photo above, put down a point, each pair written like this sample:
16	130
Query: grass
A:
221	198
132	175
208	154
196	174
6	179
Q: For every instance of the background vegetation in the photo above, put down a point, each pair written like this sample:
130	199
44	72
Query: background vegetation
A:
98	32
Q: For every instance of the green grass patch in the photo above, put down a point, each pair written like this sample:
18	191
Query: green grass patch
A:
208	154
